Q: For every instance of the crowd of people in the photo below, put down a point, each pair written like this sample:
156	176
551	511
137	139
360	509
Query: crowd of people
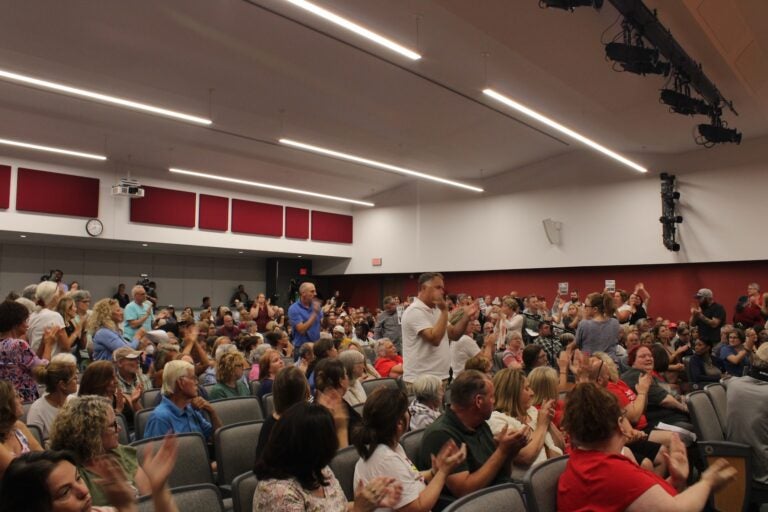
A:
499	385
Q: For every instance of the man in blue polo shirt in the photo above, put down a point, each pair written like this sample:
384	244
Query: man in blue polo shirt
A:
305	316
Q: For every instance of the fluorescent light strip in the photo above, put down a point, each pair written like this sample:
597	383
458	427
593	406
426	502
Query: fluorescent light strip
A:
374	163
562	129
74	91
268	186
354	27
51	149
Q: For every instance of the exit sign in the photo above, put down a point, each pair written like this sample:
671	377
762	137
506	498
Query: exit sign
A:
376	262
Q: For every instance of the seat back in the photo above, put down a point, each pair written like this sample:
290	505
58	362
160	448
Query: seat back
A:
192	464
504	497
25	407
411	443
694	386
716	394
243	488
37	433
370	385
705	420
269	404
149	397
369	353
140	420
541	484
237	410
254	386
124	436
190	498
343	466
358	408
236	449
735	495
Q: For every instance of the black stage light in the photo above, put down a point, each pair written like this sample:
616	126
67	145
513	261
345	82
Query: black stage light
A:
570	5
637	59
682	103
715	133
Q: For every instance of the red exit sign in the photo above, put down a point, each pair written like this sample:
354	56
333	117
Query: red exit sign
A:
376	262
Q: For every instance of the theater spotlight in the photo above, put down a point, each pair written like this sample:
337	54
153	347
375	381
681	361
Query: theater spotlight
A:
717	133
570	5
637	59
682	103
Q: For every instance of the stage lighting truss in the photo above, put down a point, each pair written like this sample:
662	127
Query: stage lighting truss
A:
628	52
669	217
570	5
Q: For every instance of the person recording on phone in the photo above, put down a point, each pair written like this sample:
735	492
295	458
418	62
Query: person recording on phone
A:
306	316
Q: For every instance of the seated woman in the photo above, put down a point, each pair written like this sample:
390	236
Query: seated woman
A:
332	384
735	354
86	426
544	384
100	379
291	387
229	375
514	409
370	371
15	438
60	380
533	357
293	473
17	359
354	364
269	364
598	477
324	348
480	363
702	368
661	406
51	481
306	356
385	420
426	407
513	354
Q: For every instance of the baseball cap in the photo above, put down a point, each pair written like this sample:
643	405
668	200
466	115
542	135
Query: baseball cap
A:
338	328
704	293
125	353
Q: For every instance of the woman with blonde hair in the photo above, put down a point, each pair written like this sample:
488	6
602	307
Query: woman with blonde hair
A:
87	427
515	410
60	380
66	308
545	385
229	376
104	325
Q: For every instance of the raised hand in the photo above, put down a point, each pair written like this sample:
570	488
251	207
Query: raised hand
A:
719	473
50	334
159	464
449	457
511	442
113	482
644	383
382	492
677	460
546	413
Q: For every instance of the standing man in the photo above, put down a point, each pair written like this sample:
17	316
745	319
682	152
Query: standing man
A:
426	331
305	316
709	317
138	313
388	324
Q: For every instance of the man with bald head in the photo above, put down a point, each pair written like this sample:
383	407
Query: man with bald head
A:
305	316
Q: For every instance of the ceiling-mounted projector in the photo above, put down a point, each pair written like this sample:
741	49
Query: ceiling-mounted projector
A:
128	187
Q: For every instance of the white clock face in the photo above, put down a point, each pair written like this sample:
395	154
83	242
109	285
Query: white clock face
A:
94	227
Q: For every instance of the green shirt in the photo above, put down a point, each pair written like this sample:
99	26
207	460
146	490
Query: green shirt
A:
480	445
126	458
221	390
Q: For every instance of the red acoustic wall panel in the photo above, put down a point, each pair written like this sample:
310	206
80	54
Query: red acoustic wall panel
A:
331	227
61	194
5	186
296	223
257	218
214	213
165	207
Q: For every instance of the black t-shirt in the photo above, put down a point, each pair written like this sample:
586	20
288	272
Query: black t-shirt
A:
711	334
638	315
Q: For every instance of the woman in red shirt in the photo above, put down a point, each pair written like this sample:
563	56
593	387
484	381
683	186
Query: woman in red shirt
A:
598	478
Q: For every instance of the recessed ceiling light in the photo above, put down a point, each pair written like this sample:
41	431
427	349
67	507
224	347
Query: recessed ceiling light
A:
562	129
105	98
376	164
300	256
50	149
268	186
22	236
239	252
144	245
354	27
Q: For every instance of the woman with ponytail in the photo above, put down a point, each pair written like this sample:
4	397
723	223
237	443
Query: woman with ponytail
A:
60	380
599	331
385	420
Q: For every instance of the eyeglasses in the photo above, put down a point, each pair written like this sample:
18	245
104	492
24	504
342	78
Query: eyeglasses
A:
114	426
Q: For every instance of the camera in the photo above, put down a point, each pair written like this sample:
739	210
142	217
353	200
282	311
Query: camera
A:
146	283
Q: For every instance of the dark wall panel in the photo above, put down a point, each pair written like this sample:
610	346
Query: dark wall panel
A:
5	187
214	213
296	223
331	227
61	194
257	218
165	207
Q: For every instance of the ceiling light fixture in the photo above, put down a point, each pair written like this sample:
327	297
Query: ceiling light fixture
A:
354	27
268	186
376	164
50	149
562	129
83	93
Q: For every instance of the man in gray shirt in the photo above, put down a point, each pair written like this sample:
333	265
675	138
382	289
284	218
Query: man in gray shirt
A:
388	324
748	412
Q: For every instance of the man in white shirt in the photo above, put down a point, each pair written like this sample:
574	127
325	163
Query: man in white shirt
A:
426	330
